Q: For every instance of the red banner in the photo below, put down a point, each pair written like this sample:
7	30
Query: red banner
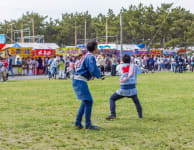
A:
44	52
155	52
2	46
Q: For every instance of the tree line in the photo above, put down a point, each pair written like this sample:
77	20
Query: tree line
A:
161	27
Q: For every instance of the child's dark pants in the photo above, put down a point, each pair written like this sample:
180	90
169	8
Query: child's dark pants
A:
116	97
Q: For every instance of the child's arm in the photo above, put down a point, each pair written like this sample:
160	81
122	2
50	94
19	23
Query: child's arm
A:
118	68
138	69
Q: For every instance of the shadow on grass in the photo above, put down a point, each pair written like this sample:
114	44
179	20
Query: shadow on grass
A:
160	119
9	81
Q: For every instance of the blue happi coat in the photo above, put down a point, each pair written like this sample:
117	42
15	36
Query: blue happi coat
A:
86	69
128	82
54	65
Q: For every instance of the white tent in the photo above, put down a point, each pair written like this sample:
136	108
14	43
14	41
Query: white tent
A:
126	47
37	45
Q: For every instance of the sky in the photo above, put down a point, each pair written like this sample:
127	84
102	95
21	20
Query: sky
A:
13	9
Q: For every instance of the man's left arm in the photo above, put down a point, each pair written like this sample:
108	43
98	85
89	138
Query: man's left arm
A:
92	67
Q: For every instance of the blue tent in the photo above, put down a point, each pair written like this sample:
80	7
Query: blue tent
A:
141	45
16	45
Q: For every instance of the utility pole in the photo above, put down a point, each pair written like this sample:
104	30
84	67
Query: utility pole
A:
106	30
121	36
85	32
22	34
33	30
75	34
11	33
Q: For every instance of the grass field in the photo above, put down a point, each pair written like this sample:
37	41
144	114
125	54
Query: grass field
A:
39	115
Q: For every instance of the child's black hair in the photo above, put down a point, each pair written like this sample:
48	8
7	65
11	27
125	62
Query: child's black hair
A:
92	45
126	58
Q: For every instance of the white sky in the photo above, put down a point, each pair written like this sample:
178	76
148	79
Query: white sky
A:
13	9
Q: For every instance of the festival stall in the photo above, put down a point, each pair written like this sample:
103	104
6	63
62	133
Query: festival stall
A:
17	53
116	49
107	49
31	50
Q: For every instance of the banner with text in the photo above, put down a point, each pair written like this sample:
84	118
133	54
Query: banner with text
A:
44	52
155	52
25	52
68	51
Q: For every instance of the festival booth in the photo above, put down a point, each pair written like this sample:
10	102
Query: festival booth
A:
116	48
17	53
32	50
107	49
132	49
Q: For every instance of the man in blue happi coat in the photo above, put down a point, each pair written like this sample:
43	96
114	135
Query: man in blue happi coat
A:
128	80
86	70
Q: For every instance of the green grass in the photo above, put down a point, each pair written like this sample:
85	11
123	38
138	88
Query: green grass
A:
39	115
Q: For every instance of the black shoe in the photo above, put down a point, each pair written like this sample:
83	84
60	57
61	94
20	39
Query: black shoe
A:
110	117
92	127
78	126
103	77
140	115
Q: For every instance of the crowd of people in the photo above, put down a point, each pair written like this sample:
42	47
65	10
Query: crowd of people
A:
65	67
178	63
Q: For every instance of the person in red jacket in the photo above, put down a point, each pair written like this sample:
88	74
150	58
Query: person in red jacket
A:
4	68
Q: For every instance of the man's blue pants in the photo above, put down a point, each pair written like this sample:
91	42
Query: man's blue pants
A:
85	109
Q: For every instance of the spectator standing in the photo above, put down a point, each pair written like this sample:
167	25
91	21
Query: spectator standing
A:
19	63
54	67
113	65
34	66
152	62
24	65
177	63
3	68
181	62
40	65
192	63
10	67
61	68
173	64
46	65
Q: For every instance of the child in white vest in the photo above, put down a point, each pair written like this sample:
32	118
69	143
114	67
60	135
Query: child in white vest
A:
128	80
